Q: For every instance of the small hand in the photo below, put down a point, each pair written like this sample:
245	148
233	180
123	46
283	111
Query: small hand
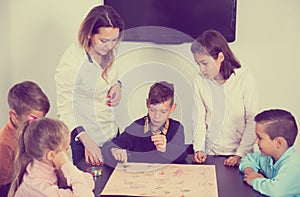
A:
233	161
60	159
199	157
249	177
248	171
114	95
160	142
119	154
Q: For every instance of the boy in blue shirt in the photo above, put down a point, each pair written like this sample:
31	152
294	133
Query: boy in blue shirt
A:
154	138
274	170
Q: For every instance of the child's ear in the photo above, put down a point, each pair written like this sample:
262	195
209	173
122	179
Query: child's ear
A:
173	107
221	57
280	142
12	114
14	117
50	155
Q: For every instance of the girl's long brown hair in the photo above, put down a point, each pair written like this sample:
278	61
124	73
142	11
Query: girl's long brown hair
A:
211	42
35	139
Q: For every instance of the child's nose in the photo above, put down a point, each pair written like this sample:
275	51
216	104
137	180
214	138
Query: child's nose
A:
156	114
202	68
109	45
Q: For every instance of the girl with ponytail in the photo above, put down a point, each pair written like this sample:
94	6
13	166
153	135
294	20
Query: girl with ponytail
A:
43	144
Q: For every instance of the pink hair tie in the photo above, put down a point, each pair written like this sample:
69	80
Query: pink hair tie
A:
31	118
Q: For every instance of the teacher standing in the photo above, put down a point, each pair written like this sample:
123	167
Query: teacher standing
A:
87	84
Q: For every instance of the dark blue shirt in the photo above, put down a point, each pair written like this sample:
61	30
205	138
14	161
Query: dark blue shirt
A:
140	148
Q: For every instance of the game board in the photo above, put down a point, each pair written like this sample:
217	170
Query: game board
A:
144	179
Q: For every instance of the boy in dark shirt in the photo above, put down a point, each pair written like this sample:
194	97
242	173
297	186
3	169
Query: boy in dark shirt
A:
154	138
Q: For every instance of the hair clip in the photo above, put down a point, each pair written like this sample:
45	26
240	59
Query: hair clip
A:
31	118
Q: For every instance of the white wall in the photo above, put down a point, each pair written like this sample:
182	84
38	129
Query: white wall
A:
5	62
35	33
268	43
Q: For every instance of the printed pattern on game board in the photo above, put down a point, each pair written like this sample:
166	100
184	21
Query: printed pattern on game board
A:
142	179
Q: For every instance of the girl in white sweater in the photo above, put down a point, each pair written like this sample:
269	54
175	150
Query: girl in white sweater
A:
226	102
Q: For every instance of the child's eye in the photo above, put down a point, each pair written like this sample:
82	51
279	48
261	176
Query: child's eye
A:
202	63
152	110
103	41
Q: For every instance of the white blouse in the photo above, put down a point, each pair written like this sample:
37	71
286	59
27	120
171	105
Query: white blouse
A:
82	95
223	118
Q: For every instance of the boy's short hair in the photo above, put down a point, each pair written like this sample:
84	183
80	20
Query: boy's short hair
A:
279	123
161	92
26	96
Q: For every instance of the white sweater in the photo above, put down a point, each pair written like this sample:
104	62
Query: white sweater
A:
223	117
82	95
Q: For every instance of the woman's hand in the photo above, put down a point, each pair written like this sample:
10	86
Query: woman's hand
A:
92	151
93	157
114	95
200	157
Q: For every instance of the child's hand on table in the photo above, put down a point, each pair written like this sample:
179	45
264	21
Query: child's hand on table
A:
233	161
119	154
250	176
248	171
199	157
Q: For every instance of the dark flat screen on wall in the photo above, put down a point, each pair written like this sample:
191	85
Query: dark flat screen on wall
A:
175	21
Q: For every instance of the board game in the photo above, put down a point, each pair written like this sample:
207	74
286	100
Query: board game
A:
145	179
